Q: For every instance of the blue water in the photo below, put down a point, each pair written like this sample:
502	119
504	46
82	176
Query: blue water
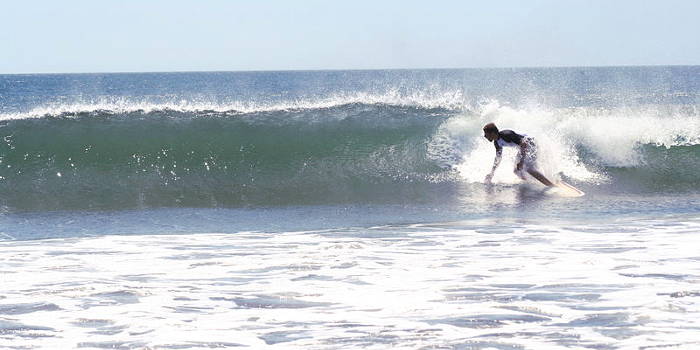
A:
327	209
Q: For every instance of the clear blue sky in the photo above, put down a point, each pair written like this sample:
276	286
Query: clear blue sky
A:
171	35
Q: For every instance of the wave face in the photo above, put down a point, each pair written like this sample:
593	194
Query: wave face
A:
357	141
103	159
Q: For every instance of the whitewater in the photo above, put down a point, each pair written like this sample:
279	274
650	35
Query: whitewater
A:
348	209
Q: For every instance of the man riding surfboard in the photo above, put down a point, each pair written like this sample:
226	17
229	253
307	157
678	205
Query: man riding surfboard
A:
527	155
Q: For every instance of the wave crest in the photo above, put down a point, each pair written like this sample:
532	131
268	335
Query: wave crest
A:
451	100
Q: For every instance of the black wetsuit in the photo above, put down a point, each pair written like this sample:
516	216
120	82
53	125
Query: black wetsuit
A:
509	138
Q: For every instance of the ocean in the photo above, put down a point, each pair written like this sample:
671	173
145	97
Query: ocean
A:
348	209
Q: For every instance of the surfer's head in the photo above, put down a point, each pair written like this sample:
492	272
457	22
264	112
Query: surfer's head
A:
491	131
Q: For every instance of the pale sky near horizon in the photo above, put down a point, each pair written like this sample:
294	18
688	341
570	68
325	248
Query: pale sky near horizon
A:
171	35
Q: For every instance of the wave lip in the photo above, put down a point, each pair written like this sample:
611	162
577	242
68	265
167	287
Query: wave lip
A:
453	101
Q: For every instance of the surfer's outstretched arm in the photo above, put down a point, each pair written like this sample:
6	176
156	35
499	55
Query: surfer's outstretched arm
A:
496	161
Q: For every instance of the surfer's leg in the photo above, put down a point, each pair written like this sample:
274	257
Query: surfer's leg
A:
518	170
537	175
530	164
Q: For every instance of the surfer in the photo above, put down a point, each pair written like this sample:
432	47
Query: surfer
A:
527	155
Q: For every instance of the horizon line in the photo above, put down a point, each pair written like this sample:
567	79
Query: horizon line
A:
354	69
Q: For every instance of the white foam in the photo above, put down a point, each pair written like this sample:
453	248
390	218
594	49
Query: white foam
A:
613	136
523	286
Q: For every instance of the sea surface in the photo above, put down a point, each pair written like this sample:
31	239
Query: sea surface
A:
348	209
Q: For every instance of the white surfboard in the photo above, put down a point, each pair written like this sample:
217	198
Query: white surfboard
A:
564	189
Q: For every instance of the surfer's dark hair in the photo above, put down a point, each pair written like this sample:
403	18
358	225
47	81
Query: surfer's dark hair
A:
490	127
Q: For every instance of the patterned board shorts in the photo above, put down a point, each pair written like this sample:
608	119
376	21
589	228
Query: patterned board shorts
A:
530	157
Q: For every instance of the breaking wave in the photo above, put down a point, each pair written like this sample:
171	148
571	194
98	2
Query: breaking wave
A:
341	150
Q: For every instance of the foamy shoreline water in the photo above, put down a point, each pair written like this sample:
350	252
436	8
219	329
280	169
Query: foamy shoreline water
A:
626	284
